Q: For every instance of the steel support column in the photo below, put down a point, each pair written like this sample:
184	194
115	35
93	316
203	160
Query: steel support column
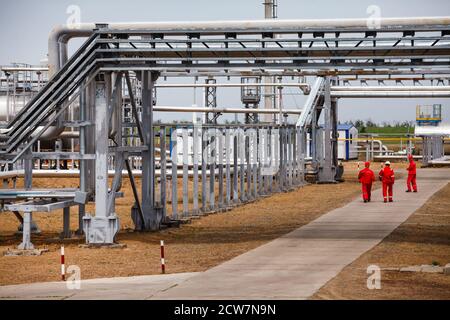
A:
152	215
327	170
103	227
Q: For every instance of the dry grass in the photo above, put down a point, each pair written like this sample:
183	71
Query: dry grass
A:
422	239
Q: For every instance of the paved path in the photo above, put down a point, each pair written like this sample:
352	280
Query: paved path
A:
135	288
294	266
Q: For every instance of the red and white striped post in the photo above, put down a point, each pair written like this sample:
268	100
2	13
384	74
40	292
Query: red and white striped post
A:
163	265
63	266
358	165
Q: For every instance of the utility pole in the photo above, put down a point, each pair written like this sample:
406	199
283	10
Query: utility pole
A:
270	12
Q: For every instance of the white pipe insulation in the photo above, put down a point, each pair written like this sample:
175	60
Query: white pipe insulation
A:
60	35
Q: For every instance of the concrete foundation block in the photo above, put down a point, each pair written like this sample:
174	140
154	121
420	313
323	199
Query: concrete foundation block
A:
19	252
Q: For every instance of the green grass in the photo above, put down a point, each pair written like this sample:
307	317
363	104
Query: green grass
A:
389	130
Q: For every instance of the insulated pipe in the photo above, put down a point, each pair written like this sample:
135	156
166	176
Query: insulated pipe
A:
380	146
224	110
13	69
390	94
231	85
390	88
60	35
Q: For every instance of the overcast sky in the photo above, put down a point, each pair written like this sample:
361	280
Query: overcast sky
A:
25	25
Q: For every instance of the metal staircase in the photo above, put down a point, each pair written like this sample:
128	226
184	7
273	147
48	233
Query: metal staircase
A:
314	99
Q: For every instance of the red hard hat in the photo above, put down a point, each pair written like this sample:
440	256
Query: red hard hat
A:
367	164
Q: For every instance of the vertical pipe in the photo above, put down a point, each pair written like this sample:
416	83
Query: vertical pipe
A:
241	147
185	171
235	168
228	160
268	156
8	107
291	157
249	166
195	168
174	155
261	160
273	159
282	158
162	145
82	163
212	169
268	91
220	159
204	160
254	144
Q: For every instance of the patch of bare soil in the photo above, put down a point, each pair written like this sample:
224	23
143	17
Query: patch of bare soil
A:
197	246
422	239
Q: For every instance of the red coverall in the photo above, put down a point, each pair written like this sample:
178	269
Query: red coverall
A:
411	175
366	177
387	178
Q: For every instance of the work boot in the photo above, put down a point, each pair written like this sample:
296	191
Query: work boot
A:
408	191
390	200
415	190
365	200
385	200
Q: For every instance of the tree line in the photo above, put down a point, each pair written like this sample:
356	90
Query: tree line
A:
368	125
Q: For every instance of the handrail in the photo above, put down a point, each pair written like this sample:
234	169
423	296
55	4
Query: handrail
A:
310	102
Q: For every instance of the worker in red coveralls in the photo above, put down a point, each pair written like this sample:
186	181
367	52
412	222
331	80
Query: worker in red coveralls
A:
411	181
387	178
366	177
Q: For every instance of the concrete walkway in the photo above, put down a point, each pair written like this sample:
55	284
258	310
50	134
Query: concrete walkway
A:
294	266
129	288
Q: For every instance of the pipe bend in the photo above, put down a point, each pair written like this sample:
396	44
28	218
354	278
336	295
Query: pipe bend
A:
60	36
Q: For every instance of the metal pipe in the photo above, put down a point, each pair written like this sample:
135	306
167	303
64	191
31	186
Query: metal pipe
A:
61	34
15	69
390	94
225	85
390	88
74	173
223	110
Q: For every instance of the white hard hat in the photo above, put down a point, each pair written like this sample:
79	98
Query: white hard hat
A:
387	163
